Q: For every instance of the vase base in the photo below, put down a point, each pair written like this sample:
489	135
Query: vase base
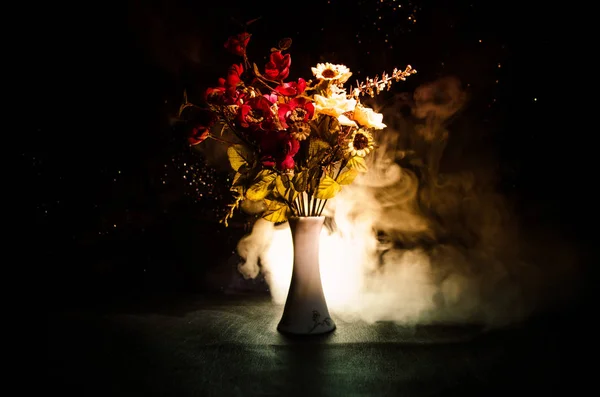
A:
307	329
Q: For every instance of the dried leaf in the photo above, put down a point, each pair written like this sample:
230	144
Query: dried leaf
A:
256	70
285	43
252	21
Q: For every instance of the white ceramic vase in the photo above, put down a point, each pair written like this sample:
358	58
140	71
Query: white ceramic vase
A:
305	311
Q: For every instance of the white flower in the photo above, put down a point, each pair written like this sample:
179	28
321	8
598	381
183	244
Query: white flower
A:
367	117
345	120
336	90
334	105
328	71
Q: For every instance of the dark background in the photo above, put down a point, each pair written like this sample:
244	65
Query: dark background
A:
103	165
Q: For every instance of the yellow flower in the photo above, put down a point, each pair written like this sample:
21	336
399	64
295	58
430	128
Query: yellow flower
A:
368	118
360	143
328	71
299	130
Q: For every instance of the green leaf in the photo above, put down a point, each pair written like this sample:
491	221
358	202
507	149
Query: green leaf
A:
276	211
317	151
347	177
300	181
241	178
316	146
280	187
239	155
285	188
357	163
328	188
237	179
262	185
328	128
333	125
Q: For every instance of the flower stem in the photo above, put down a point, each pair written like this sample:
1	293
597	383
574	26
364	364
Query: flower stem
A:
232	128
302	212
220	140
305	203
342	166
322	206
264	82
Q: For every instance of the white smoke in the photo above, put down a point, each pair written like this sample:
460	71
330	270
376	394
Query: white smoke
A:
409	244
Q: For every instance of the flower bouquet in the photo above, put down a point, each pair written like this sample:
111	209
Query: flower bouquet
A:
295	143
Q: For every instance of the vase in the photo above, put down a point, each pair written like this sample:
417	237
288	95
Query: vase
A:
305	311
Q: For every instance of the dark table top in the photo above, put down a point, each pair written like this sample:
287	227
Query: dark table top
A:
229	346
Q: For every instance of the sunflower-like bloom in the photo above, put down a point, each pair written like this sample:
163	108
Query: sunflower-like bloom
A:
360	143
338	74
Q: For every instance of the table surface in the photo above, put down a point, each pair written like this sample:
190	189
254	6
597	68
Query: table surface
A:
229	346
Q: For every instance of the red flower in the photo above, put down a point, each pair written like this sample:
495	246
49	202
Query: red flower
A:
278	68
292	89
227	90
240	98
215	94
198	135
255	113
234	77
237	44
296	110
203	120
278	149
